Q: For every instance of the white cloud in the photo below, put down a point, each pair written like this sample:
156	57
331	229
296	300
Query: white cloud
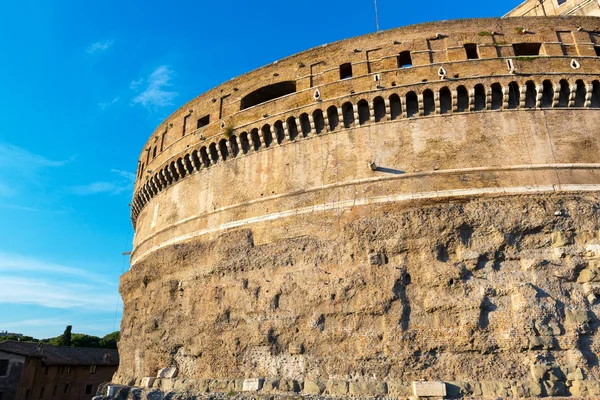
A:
155	95
55	294
27	280
99	46
109	187
104	104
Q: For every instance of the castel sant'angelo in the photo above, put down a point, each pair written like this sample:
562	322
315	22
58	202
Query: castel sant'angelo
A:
412	212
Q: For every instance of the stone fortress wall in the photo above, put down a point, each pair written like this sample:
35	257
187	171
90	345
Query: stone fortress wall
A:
295	221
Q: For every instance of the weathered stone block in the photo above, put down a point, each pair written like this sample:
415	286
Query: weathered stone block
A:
575	375
399	389
148	381
168	373
252	384
313	387
337	388
295	349
219	386
587	275
592	249
165	384
555	388
368	388
429	389
576	317
561	239
289	385
236	385
538	371
271	385
527	389
495	389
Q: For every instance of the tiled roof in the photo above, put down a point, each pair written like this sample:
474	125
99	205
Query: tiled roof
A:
54	355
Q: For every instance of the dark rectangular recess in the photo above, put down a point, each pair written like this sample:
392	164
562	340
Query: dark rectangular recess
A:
3	367
404	59
203	121
267	93
527	49
346	71
471	50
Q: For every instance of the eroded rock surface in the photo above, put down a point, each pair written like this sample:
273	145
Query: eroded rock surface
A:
482	290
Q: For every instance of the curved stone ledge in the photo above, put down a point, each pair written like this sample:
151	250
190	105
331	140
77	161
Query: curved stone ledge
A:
397	105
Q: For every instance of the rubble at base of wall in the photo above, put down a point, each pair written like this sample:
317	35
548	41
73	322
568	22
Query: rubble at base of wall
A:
275	388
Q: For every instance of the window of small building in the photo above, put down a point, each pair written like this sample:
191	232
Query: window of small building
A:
527	49
92	369
471	50
346	71
88	389
54	390
28	394
3	367
42	393
66	389
404	59
68	368
203	121
561	2
46	368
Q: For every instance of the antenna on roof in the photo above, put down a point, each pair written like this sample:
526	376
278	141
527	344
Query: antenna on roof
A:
376	16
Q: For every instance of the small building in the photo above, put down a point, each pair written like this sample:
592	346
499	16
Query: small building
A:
32	371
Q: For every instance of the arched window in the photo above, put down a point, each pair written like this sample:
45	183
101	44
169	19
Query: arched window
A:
292	128
462	99
223	148
395	106
212	151
445	100
234	146
379	108
479	97
167	175
255	138
348	114
580	94
547	94
279	132
187	161
530	94
305	124
318	120
565	93
174	171
266	134
428	102
196	160
364	115
412	104
245	142
595	94
180	168
497	96
513	95
332	116
204	156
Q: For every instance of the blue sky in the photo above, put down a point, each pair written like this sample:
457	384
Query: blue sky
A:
83	85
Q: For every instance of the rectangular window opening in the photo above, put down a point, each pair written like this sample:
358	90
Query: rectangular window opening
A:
527	49
597	48
66	389
92	369
3	367
346	71
46	368
54	390
404	59
561	2
472	53
88	389
202	122
41	393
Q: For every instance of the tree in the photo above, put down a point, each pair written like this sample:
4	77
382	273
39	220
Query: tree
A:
65	339
110	341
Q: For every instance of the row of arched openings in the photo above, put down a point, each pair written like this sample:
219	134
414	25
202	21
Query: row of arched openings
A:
529	96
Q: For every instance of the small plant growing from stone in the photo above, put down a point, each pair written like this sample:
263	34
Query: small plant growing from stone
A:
228	131
485	33
520	30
